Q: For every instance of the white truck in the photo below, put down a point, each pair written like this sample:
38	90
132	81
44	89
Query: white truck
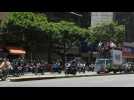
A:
111	64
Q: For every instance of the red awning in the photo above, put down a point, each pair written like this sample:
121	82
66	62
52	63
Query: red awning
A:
14	50
17	51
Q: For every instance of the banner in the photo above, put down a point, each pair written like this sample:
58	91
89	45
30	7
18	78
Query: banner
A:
116	57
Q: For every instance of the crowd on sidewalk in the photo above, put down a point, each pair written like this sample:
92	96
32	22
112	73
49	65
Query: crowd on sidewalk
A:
19	67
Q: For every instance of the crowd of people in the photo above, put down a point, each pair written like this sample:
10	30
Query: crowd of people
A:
19	67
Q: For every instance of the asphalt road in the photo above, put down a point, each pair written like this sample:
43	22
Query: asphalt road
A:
126	80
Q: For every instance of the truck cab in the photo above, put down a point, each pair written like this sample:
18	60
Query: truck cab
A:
102	65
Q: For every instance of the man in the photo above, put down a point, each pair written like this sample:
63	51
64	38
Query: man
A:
4	67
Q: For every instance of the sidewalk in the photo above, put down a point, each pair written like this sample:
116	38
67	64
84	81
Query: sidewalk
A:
30	76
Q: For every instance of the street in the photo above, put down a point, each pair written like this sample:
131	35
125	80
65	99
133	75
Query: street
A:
126	80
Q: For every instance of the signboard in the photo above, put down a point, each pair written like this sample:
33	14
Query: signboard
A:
128	52
116	57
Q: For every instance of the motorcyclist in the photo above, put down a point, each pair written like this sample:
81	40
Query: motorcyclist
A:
41	68
73	68
20	69
36	68
4	68
56	67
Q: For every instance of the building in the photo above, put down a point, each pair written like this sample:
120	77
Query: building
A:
101	17
3	15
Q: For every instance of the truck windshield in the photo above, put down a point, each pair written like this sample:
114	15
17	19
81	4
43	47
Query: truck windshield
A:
100	61
109	62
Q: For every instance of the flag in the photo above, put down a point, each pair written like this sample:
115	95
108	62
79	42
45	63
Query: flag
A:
112	45
100	44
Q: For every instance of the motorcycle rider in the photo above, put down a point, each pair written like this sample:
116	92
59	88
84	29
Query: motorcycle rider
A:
4	67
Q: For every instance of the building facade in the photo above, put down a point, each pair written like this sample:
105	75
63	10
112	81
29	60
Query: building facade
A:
101	17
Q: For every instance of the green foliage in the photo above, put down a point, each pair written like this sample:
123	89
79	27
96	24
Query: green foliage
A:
21	21
105	32
39	33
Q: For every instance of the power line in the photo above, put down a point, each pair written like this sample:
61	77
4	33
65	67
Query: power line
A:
76	14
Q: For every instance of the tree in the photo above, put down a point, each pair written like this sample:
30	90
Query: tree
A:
23	28
33	31
69	36
106	32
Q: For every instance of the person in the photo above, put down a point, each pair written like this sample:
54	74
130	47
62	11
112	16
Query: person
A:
5	66
74	64
45	66
20	69
35	68
42	69
92	67
53	67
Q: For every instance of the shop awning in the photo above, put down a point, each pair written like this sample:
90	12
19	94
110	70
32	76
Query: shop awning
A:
13	50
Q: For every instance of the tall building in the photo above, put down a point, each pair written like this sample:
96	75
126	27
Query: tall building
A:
3	15
126	18
101	17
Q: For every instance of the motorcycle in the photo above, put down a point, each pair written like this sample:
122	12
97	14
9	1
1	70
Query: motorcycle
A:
70	69
81	67
3	74
56	68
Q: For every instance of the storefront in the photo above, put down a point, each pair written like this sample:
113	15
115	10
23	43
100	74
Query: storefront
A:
15	52
12	52
128	54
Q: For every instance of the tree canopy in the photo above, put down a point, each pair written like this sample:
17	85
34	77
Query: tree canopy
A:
20	21
105	32
36	30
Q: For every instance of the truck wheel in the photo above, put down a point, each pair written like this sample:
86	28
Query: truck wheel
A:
74	72
84	72
59	71
66	72
107	71
126	71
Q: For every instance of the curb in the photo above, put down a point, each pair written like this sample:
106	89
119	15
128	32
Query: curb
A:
42	78
59	77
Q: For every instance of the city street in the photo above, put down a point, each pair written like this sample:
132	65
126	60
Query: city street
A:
125	80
